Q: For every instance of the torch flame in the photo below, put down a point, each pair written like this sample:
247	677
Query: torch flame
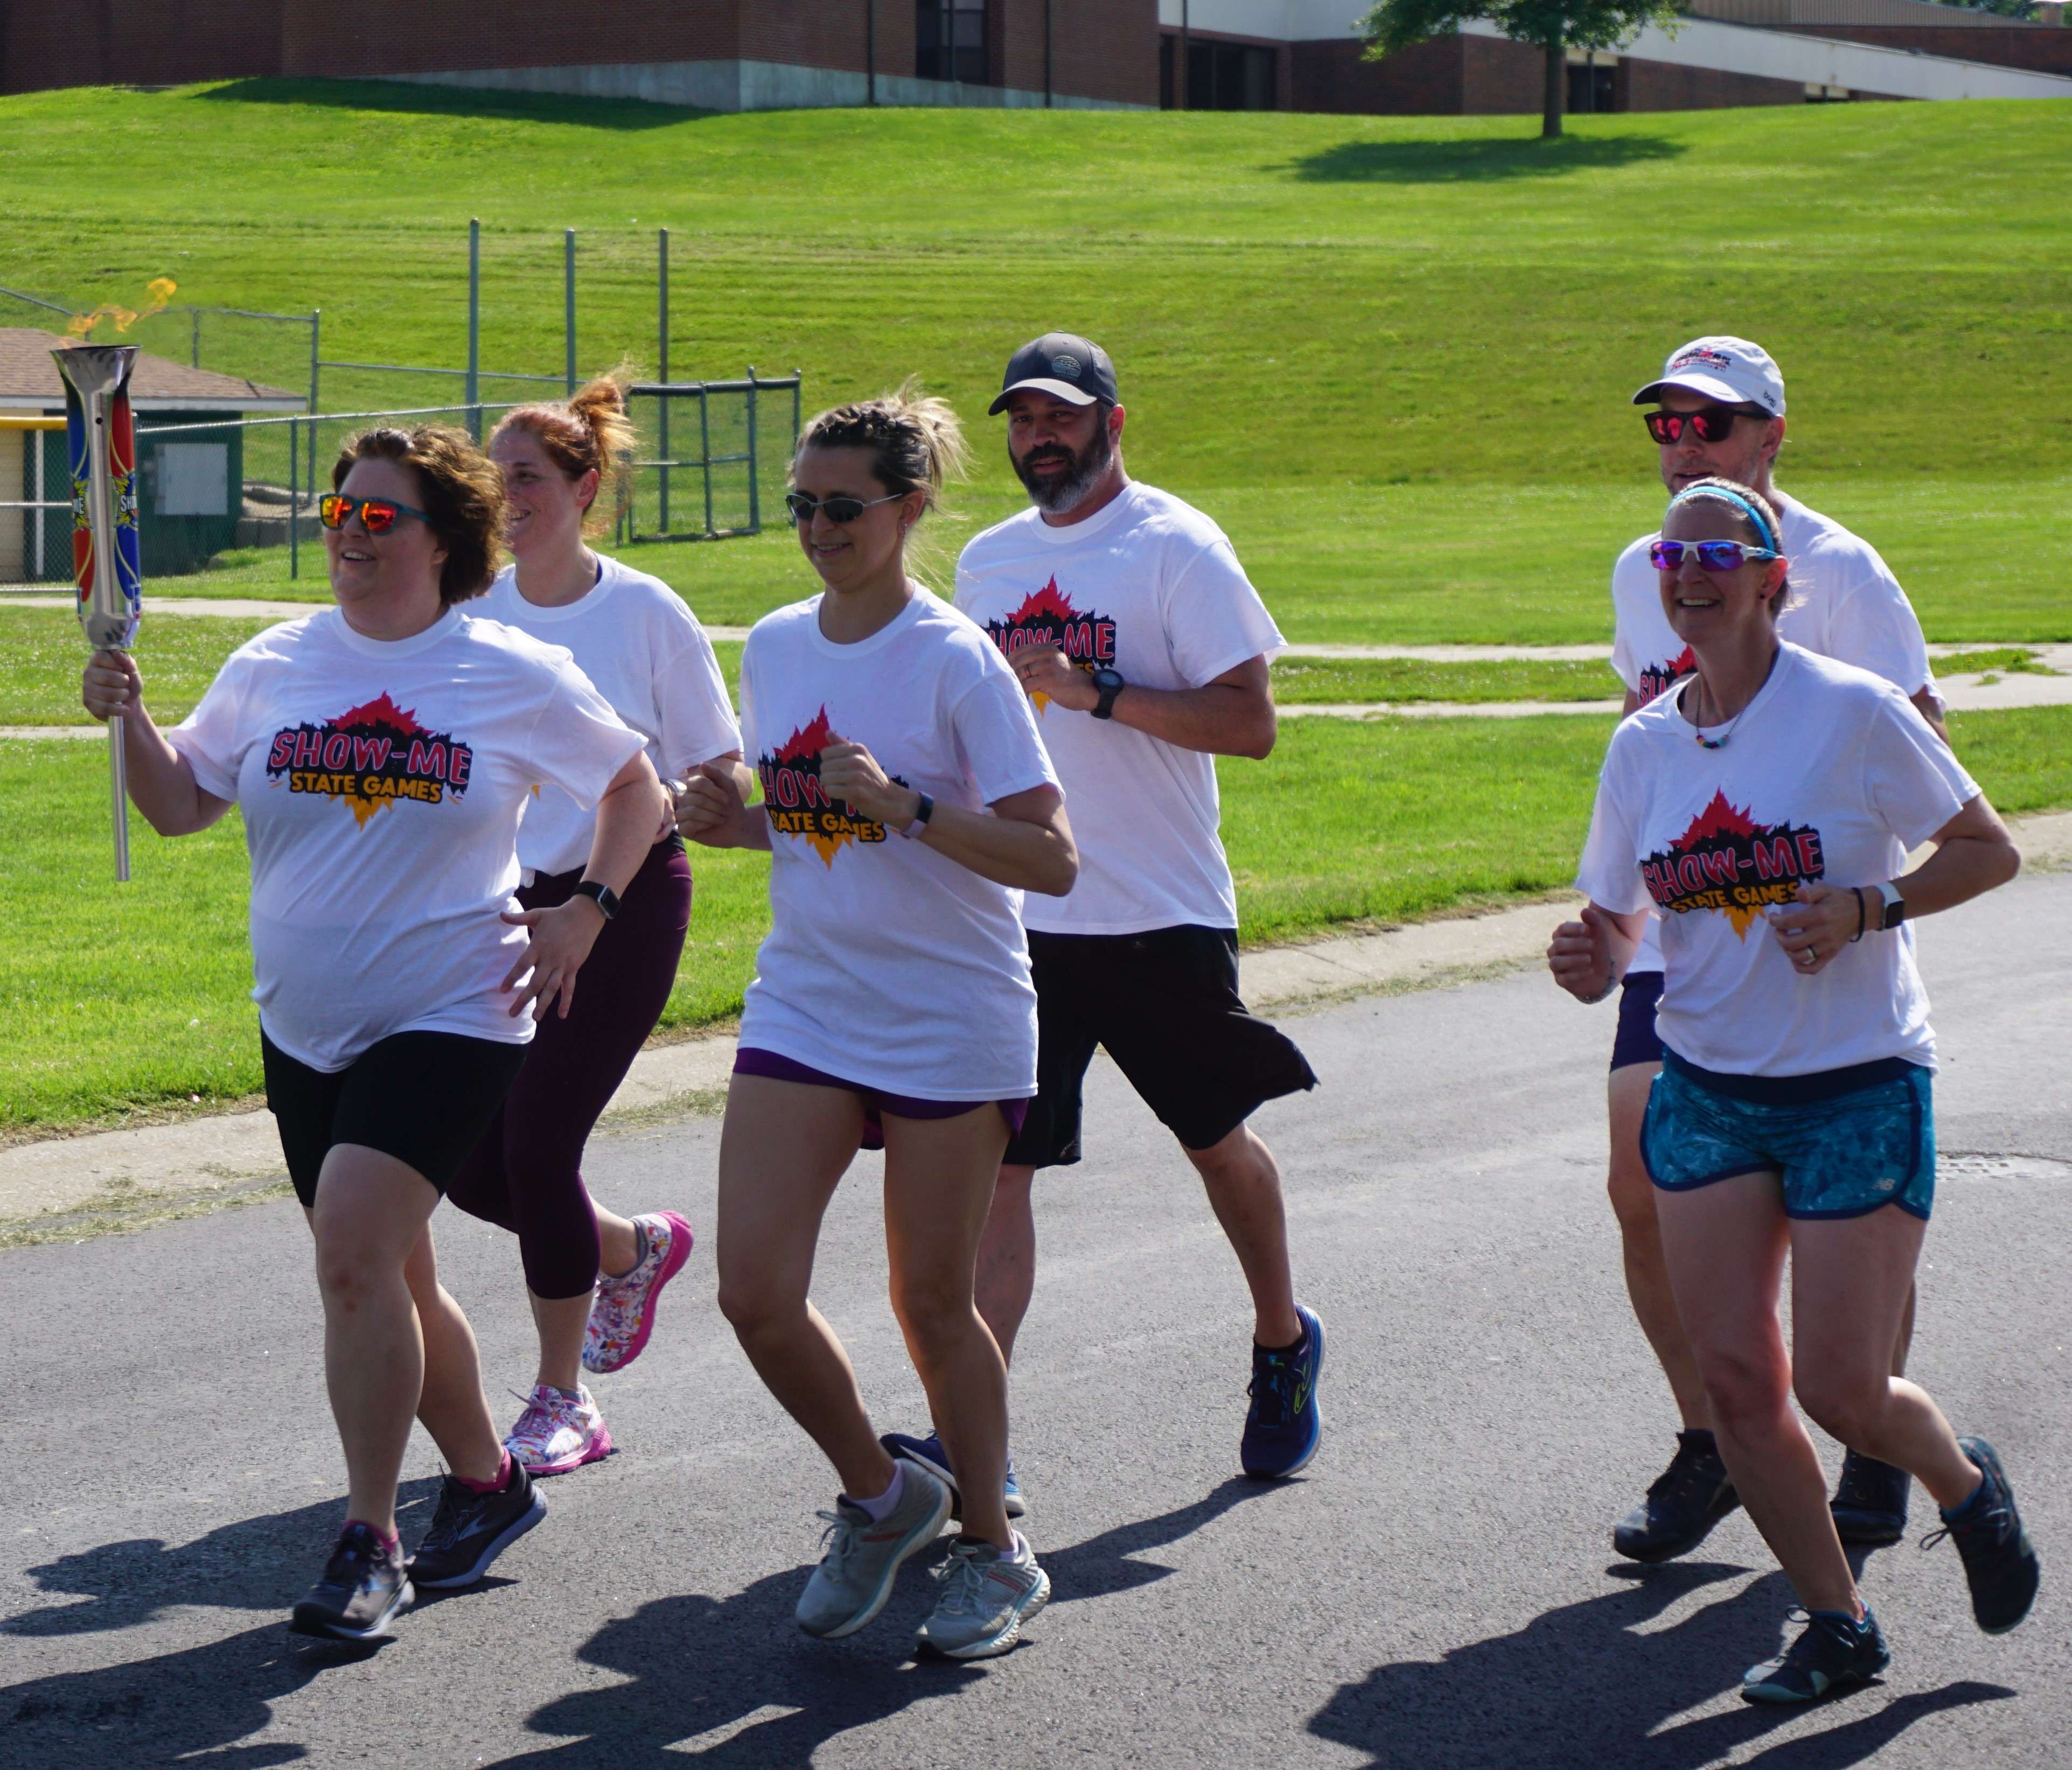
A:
156	293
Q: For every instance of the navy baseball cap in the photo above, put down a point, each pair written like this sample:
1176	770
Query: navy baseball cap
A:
1074	369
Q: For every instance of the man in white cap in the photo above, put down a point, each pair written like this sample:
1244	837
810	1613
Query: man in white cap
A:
1720	413
1134	630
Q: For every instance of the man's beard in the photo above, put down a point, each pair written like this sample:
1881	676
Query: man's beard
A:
1067	490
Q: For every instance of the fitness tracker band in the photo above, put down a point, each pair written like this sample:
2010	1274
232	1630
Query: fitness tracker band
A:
1895	906
1110	684
599	894
913	830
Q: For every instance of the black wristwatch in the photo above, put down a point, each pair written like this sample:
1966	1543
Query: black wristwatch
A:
1895	906
600	895
1110	683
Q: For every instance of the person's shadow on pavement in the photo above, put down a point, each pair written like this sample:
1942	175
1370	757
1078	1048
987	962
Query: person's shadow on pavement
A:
261	1563
1590	1684
735	1676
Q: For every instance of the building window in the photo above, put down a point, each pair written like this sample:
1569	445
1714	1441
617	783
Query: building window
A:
949	39
1231	76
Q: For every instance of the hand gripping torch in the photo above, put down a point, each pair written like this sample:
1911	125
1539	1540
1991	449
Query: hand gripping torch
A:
106	562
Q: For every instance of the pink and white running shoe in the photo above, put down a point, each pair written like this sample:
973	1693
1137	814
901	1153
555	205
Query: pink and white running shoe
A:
622	1314
555	1435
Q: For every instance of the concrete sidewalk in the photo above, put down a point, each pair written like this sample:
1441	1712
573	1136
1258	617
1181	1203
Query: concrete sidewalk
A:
103	1179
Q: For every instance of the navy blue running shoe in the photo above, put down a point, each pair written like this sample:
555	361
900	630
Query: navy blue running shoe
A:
1869	1506
1283	1425
1834	1651
2000	1564
929	1453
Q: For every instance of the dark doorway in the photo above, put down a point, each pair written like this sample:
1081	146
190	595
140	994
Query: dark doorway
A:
1592	88
949	41
1233	77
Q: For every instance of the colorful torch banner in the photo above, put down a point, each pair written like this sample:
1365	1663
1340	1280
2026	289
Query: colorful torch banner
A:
105	558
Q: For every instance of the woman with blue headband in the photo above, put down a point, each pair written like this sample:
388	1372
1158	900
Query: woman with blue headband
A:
1766	808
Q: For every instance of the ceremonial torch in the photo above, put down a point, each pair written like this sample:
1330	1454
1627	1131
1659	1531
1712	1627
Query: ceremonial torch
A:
105	559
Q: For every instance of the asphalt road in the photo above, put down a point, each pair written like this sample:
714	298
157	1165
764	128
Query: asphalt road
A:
1438	1592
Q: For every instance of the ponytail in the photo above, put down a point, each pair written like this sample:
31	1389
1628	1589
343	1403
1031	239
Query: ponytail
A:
588	431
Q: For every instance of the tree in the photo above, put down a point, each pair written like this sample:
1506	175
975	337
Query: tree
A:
1554	26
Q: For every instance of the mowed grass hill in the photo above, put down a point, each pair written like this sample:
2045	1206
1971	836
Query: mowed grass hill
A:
1392	356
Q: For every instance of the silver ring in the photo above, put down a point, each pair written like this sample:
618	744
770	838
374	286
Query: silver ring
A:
1807	956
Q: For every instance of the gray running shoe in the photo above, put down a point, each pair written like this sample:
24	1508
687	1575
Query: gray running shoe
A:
855	1576
986	1598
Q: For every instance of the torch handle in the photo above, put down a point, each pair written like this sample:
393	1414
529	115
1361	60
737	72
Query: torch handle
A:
118	780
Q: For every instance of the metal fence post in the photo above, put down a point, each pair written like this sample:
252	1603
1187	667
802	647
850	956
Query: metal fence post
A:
316	360
193	331
662	325
798	384
704	450
569	304
294	500
474	329
754	491
41	440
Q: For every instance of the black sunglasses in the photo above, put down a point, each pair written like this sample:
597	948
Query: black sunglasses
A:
836	510
1709	423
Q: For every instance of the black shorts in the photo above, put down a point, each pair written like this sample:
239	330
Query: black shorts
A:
1165	1005
424	1098
1635	1041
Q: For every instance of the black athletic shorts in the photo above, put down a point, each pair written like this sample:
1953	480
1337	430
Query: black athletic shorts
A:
1635	1041
424	1098
1165	1005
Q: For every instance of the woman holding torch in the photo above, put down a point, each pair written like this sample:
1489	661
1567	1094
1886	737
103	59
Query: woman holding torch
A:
381	754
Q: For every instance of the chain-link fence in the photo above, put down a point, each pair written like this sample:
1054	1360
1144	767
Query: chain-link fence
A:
713	456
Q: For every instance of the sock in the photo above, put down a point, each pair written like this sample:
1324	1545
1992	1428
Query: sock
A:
639	1249
1296	1345
389	1540
496	1484
1952	1513
1843	1617
566	1395
881	1507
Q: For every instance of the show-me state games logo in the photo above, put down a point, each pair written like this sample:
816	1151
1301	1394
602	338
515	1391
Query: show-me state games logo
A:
370	758
799	806
1726	861
1659	678
1048	617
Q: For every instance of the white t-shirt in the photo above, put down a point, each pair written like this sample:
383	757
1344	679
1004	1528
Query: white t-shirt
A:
1845	603
887	963
1150	587
644	651
1829	774
381	784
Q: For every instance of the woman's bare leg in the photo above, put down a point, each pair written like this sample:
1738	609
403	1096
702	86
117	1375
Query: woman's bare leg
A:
784	1149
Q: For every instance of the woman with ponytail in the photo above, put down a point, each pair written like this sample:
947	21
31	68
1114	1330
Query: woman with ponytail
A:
594	1277
906	803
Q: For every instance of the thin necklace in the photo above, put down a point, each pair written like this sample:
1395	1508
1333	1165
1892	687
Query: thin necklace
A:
1719	742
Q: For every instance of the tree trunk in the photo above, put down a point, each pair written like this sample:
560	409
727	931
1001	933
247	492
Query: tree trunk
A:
1554	92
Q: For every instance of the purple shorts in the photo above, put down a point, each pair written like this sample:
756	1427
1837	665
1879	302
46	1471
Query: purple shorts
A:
750	1061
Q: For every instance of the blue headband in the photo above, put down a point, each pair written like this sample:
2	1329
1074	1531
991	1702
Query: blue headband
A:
1761	523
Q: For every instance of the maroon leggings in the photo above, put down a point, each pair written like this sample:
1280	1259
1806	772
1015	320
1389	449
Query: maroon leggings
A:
526	1174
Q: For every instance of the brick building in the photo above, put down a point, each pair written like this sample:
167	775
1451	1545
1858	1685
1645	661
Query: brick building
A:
1240	54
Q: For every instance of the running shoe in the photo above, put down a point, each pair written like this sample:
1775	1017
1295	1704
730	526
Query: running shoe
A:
555	1435
1686	1500
1870	1501
622	1314
985	1599
1283	1426
1834	1651
365	1587
471	1529
2000	1564
929	1453
855	1576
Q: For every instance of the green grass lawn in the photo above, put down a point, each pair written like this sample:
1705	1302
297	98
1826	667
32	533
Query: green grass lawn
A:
126	1000
1392	356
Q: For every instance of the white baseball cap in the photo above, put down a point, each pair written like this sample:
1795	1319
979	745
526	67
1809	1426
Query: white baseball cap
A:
1731	370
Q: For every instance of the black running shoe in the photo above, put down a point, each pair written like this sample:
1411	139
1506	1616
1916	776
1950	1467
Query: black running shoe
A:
2000	1565
1833	1653
469	1529
1687	1500
364	1589
1869	1503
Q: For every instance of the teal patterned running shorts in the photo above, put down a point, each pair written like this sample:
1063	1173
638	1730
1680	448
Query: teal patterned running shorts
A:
1845	1156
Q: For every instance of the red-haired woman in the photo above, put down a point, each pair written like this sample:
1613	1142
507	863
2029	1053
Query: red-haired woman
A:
594	1277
